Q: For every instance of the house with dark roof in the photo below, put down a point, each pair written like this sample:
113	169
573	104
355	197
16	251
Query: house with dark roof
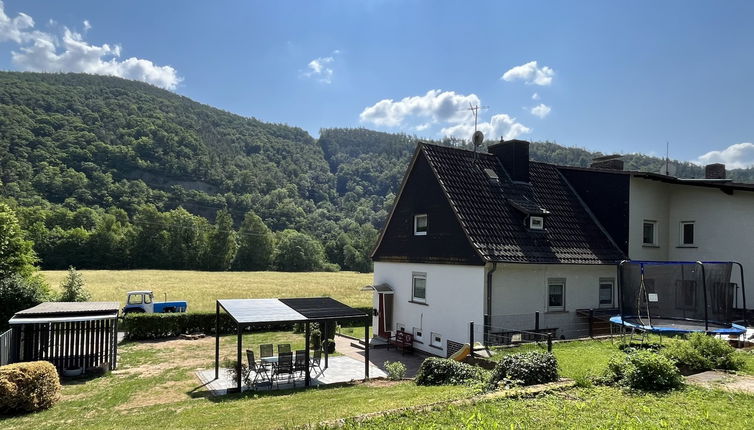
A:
511	244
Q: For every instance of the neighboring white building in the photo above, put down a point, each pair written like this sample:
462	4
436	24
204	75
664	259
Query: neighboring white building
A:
495	239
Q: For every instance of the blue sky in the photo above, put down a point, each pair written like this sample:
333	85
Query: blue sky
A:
607	76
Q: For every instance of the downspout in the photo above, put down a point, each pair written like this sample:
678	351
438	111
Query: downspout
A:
488	311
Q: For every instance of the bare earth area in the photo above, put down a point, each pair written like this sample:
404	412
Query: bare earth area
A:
723	381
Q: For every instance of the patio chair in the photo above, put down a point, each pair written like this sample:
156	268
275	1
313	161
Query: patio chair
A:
299	364
259	369
266	350
283	367
316	360
284	347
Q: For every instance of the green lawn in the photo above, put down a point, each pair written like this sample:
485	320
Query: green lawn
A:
600	407
201	289
155	387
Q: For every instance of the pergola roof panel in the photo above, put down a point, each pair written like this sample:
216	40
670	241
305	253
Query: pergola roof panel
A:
322	308
249	311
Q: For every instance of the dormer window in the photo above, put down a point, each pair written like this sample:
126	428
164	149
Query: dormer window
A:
420	225
536	223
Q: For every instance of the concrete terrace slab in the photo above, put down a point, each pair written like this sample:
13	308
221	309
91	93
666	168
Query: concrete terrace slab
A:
723	381
341	369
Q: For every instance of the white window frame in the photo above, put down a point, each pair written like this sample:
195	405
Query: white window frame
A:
539	226
433	342
416	224
681	233
553	282
414	277
604	281
418	335
655	234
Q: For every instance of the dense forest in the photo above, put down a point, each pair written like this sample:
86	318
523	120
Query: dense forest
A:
109	173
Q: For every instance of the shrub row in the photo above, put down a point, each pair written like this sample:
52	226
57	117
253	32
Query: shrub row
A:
28	386
155	326
702	352
528	368
444	371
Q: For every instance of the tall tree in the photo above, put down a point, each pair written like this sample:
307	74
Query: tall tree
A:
299	252
256	244
222	243
17	256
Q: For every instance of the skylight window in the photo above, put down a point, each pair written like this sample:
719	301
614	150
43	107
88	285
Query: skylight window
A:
536	223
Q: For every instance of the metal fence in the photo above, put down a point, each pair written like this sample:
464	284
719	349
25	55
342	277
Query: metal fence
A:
5	347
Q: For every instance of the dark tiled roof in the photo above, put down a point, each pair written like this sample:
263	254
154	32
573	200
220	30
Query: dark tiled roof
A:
492	212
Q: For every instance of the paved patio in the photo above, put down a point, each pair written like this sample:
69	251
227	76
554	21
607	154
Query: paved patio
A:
378	356
341	368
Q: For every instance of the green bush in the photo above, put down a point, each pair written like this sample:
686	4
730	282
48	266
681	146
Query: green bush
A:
443	371
702	352
528	368
28	386
395	370
18	293
156	326
643	370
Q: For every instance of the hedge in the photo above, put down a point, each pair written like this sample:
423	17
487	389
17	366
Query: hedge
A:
643	370
156	326
28	386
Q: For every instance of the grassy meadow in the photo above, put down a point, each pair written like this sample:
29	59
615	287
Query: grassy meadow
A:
201	289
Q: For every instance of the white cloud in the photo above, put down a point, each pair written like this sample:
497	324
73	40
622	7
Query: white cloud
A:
535	96
500	125
436	105
447	108
736	156
87	25
319	68
45	52
530	73
541	110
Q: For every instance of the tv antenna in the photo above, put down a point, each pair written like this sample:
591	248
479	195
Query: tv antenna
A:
478	137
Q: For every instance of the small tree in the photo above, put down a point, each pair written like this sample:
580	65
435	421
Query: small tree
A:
16	254
73	287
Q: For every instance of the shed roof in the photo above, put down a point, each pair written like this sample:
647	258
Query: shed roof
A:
253	311
69	309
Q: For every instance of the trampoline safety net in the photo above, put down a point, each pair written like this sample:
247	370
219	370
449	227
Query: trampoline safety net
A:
678	293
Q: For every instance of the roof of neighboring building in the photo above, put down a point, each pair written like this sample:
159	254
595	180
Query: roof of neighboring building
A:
492	211
723	184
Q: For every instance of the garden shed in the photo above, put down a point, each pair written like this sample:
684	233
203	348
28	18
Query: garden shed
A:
70	335
250	313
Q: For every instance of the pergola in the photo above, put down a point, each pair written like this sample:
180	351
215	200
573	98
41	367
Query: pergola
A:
250	313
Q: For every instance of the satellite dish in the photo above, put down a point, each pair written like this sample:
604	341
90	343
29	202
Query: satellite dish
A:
477	138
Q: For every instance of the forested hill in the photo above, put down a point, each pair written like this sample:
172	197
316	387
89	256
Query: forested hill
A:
95	164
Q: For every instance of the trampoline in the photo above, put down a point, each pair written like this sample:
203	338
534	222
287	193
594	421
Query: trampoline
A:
681	297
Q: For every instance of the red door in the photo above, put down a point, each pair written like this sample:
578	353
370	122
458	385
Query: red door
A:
384	314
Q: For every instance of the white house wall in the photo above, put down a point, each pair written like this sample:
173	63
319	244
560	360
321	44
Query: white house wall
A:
723	225
455	296
520	290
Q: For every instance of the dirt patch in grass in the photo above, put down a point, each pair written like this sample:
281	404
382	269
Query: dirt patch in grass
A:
723	381
169	392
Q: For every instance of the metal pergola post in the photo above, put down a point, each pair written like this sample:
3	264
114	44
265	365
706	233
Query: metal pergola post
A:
239	373
307	380
217	340
325	338
366	348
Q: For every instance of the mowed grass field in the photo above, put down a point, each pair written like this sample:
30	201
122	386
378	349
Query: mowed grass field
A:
201	289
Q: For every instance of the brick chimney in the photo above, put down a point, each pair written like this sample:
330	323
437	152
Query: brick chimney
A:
714	171
514	155
609	162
